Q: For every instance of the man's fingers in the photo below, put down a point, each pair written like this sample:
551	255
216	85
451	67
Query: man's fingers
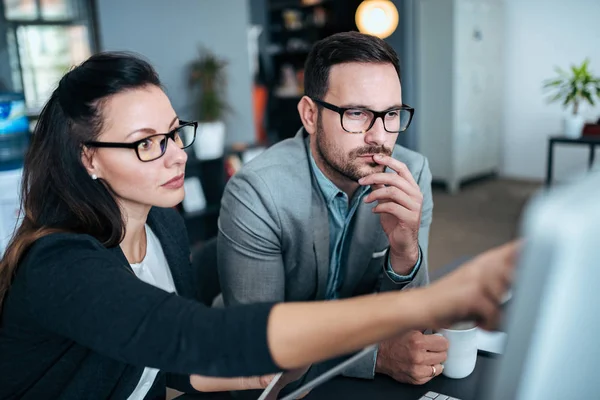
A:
434	357
435	343
422	374
398	211
394	195
399	167
388	179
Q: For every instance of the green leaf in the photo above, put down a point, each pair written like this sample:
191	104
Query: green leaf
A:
588	96
552	83
560	71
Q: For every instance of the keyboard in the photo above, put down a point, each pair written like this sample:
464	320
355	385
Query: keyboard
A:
436	396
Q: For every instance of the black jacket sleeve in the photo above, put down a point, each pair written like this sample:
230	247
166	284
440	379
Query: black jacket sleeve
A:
76	290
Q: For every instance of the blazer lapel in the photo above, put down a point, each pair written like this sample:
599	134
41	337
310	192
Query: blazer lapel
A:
320	224
364	238
176	259
321	241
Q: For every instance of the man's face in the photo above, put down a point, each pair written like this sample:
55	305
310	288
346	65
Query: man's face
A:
362	85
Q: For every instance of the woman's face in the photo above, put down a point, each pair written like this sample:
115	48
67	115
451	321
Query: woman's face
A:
128	117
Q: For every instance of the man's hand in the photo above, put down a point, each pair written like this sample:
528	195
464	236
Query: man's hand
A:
412	357
399	205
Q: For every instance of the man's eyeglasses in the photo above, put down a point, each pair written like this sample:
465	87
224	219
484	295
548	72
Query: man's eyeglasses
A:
153	147
360	120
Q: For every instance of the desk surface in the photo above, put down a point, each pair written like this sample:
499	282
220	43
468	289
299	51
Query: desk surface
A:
582	139
382	387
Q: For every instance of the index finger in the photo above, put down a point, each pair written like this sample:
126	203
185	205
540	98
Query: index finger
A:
506	254
397	166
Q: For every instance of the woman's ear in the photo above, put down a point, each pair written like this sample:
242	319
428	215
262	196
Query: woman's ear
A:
87	158
309	113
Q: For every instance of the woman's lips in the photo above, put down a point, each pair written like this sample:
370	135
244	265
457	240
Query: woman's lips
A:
174	183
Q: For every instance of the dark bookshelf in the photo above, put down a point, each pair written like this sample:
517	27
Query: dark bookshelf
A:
292	28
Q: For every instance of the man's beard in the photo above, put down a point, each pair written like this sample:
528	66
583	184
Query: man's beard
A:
347	165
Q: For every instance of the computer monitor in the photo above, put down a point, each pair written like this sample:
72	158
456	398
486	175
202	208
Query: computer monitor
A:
14	130
553	324
13	113
14	141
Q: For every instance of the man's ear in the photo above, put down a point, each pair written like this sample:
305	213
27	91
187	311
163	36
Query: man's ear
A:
309	113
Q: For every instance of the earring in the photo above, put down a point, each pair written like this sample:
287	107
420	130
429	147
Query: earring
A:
94	177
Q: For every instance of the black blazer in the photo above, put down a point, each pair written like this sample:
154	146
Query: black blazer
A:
78	324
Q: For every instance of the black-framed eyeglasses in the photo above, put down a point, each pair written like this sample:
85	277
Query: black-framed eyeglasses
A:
153	147
360	120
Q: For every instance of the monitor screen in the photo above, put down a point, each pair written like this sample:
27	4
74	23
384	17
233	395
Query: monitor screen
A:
13	115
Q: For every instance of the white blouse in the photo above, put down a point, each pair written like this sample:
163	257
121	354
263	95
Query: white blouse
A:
153	269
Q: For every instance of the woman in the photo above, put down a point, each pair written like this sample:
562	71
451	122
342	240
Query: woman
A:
97	294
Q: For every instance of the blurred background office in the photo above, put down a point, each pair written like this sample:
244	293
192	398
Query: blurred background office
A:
473	69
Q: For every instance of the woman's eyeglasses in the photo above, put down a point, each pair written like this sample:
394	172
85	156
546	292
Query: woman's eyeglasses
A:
153	147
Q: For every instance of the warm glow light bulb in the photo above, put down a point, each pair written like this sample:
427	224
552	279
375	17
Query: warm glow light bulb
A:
377	17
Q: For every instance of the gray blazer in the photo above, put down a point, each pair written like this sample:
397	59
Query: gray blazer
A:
273	242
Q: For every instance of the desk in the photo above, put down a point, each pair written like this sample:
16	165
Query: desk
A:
590	141
382	387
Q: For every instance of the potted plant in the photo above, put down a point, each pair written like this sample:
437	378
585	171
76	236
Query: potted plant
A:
572	88
208	81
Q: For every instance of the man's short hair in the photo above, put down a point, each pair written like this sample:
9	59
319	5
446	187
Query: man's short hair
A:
341	48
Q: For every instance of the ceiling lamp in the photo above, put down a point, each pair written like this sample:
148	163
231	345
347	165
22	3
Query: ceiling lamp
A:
377	17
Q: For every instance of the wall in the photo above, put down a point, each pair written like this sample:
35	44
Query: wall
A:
168	34
401	41
408	63
540	35
434	26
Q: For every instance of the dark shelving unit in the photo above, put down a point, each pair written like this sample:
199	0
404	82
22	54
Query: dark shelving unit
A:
293	26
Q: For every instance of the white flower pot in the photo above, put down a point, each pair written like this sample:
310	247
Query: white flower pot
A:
573	126
210	140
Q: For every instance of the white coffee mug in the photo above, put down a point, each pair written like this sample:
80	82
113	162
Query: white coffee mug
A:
462	350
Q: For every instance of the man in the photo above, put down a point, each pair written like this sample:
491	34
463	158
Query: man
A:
340	210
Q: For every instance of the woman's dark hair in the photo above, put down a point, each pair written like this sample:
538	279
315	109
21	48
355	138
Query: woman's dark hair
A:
340	48
57	193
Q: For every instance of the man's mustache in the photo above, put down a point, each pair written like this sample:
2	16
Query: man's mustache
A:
371	150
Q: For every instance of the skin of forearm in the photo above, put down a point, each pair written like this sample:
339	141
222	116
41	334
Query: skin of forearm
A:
212	384
300	334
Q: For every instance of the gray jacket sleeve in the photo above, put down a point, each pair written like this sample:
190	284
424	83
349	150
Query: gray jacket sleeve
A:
249	247
365	368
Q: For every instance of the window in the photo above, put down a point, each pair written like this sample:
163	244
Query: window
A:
45	39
